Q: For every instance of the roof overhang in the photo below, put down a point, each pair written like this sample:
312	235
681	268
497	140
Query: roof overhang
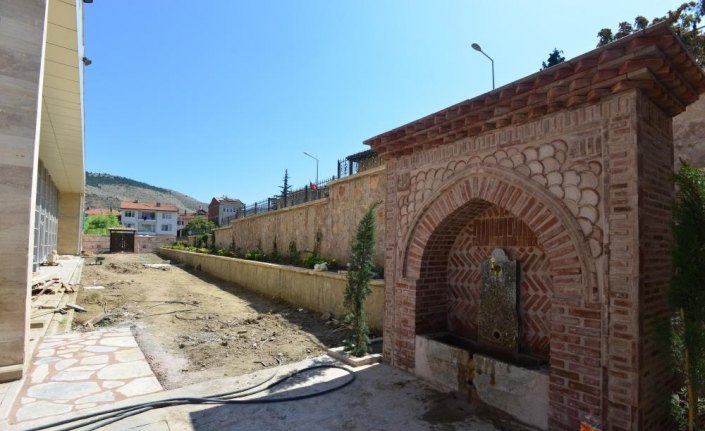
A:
653	60
61	146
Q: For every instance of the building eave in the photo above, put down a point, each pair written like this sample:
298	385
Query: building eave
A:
654	60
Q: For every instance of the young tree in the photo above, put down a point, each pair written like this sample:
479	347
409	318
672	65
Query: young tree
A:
555	57
286	188
358	286
199	224
686	296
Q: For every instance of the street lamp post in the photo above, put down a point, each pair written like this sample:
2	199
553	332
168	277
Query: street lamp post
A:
314	158
476	47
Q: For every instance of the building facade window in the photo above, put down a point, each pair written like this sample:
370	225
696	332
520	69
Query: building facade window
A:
166	228
166	216
129	213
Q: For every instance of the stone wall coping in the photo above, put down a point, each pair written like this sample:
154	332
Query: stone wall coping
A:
325	274
322	201
654	61
349	178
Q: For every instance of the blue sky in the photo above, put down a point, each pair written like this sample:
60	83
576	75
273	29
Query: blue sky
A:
220	97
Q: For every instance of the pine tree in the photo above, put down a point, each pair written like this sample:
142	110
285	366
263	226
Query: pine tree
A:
686	296
358	286
555	57
286	188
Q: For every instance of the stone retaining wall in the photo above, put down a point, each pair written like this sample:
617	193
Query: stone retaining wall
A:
335	217
316	291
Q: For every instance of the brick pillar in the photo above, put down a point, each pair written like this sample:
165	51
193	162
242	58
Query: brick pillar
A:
654	130
20	85
639	199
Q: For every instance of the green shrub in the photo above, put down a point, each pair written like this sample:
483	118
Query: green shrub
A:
312	260
99	224
294	256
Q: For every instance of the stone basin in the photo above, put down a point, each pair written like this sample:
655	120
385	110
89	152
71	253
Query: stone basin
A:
515	384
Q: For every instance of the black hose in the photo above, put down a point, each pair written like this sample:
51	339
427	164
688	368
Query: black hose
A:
110	416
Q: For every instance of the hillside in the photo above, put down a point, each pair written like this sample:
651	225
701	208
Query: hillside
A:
106	191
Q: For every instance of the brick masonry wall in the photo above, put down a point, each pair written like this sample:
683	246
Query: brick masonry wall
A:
96	243
578	179
336	217
143	244
494	228
655	218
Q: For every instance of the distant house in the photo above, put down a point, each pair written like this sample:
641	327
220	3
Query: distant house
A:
185	217
149	218
223	208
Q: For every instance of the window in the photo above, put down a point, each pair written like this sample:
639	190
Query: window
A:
129	225
166	216
166	228
129	213
148	215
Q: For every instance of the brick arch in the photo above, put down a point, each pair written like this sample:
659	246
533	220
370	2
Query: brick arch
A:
467	195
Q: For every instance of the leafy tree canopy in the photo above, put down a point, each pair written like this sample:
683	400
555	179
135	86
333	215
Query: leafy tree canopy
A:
99	224
199	224
685	21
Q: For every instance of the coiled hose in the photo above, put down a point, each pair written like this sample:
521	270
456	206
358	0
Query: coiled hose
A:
98	420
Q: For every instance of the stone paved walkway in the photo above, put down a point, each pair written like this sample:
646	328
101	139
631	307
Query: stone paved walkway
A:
76	371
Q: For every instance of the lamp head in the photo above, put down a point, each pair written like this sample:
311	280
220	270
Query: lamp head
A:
476	47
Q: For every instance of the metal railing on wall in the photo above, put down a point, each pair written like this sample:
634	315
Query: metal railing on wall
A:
307	193
351	165
356	163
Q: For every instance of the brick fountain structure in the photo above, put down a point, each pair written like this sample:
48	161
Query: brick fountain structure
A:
568	172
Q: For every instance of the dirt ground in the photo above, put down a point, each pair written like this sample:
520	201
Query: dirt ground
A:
193	327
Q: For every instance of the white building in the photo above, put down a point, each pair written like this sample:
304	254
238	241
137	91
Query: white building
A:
149	218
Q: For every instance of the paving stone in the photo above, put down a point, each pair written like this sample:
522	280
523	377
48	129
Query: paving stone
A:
71	376
145	385
100	349
63	390
87	367
119	333
62	365
41	409
95	359
43	353
125	370
110	384
97	398
47	360
40	373
118	341
129	355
